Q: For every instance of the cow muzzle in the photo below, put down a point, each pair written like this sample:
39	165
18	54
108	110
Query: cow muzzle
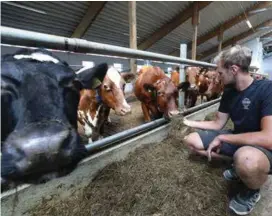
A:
37	148
124	110
173	113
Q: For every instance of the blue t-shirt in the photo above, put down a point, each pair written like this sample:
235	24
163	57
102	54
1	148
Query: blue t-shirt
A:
246	108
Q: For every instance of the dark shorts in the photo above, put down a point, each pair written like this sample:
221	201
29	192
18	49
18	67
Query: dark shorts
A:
227	149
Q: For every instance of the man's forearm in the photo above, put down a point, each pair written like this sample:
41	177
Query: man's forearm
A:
253	138
206	125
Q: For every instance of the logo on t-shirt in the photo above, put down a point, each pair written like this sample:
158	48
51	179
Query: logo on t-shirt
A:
246	102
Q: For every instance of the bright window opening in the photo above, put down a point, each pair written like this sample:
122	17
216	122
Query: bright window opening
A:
87	64
118	66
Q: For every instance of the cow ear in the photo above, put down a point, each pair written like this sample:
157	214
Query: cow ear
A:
149	87
128	76
90	78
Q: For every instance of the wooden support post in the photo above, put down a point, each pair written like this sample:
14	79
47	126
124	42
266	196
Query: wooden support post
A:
195	22
132	32
220	39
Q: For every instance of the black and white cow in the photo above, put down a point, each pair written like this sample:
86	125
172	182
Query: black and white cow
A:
39	102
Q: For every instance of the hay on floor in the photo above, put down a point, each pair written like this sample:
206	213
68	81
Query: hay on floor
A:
159	179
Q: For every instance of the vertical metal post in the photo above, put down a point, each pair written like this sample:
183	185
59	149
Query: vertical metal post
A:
147	62
183	54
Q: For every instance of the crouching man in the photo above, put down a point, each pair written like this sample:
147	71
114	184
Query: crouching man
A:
248	103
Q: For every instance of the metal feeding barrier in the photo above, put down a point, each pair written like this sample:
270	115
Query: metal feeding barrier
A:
142	128
20	37
33	39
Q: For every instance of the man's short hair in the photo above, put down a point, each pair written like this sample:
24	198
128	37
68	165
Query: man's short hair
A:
237	55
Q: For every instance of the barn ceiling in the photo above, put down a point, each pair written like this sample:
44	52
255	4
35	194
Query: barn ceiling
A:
109	21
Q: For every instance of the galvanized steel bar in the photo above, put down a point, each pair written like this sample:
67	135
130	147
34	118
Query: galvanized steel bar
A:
21	37
142	128
33	39
183	54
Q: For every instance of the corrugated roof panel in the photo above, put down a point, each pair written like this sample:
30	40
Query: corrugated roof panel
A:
113	19
208	45
163	47
182	34
243	27
151	15
219	12
255	35
60	18
111	25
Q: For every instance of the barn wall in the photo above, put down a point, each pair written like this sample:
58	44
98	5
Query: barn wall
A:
267	66
257	57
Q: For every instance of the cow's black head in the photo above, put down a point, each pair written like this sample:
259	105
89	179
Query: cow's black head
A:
39	100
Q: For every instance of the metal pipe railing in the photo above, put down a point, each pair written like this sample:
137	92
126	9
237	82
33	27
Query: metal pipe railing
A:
33	39
142	128
21	37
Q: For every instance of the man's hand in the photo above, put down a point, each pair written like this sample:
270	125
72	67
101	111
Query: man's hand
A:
186	122
215	145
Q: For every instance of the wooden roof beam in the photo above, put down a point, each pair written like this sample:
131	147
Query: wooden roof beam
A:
171	25
234	40
228	24
94	9
267	35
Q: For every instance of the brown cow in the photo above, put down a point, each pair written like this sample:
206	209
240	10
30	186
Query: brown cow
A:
190	86
203	84
157	93
175	76
95	105
215	87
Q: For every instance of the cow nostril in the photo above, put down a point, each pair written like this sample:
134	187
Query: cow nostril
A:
126	110
173	113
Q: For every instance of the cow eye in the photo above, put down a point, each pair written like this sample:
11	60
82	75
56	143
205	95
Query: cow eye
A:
160	93
107	88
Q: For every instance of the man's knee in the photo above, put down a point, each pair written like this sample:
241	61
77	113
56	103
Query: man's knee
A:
193	141
249	161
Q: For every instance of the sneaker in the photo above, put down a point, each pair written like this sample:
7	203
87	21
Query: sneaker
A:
231	175
243	204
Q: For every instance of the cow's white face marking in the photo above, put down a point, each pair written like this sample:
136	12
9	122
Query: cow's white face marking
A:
125	104
114	76
83	69
39	57
193	85
89	122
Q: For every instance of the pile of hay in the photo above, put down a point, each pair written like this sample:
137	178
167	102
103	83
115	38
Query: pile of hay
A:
159	179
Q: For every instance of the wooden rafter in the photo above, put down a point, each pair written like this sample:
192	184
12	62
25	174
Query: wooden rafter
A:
267	35
234	40
195	22
132	32
91	14
228	24
171	25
